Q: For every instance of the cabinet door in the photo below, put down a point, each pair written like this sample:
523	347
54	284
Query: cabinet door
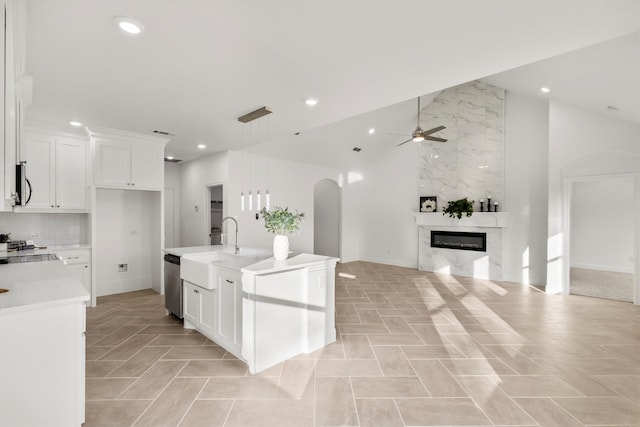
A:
40	158
82	273
229	327
191	303
208	312
71	174
147	166
112	166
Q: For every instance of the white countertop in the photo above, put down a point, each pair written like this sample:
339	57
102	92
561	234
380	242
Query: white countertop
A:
193	250
270	265
34	285
45	250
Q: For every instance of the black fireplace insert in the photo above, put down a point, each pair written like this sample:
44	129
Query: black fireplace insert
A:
465	241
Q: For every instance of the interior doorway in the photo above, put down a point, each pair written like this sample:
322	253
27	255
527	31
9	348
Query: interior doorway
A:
215	214
326	218
603	237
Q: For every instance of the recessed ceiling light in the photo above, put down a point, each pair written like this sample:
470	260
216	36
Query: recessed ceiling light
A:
202	146
128	25
372	131
169	157
76	124
311	101
612	108
545	89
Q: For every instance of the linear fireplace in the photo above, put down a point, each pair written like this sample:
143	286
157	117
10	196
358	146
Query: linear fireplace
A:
465	241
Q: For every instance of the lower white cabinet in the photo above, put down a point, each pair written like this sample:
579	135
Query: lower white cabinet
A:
199	308
217	313
78	261
229	311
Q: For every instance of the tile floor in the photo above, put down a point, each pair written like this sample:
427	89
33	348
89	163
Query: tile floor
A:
413	348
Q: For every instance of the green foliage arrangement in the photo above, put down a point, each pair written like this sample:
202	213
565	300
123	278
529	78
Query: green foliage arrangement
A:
281	220
4	238
455	209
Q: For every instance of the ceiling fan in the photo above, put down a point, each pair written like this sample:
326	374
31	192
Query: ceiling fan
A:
420	135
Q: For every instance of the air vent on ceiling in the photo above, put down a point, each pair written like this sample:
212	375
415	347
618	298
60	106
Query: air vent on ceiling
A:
172	160
357	149
162	132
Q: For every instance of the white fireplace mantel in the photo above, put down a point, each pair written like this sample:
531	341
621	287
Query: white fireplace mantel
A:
478	219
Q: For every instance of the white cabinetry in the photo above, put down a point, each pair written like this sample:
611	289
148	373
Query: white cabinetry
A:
199	308
78	261
229	311
57	171
127	160
43	376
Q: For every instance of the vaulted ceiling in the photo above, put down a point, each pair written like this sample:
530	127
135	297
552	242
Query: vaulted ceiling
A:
199	64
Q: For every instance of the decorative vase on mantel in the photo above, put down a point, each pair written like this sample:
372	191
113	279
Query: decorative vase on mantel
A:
282	223
280	247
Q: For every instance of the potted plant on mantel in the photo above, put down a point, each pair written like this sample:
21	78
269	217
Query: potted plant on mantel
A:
283	223
4	239
456	208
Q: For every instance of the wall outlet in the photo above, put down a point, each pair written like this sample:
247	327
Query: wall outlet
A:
122	268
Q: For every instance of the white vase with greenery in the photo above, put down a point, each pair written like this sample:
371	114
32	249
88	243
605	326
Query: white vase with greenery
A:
283	223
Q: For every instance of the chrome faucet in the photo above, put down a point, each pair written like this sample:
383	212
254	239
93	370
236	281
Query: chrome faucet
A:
236	222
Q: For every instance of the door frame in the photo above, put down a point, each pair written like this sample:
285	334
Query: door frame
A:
566	228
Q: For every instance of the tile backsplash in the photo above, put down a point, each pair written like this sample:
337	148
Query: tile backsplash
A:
46	229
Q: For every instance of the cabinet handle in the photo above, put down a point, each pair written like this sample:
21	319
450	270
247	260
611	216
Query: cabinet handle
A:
52	206
57	206
196	291
229	281
133	183
86	266
73	257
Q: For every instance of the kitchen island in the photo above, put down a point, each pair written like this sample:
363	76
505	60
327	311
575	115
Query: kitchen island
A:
261	310
42	362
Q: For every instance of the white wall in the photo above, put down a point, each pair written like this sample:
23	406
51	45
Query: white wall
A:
526	157
388	201
601	223
126	234
326	226
195	177
290	184
581	143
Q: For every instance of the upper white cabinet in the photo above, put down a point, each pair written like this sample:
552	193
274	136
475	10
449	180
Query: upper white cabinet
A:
127	160
57	171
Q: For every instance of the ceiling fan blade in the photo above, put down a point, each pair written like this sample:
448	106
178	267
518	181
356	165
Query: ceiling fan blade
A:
435	138
434	130
404	142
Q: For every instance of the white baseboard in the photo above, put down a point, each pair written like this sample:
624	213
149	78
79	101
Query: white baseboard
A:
395	262
611	268
120	286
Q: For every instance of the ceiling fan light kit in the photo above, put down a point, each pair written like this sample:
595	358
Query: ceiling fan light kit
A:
420	135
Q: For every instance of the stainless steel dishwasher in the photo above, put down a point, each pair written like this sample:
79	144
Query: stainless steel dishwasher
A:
172	285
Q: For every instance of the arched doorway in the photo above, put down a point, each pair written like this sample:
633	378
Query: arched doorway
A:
326	215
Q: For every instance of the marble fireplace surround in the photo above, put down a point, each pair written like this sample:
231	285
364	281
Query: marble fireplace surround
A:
479	265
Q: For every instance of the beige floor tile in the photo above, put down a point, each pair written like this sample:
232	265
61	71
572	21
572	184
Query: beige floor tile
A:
495	404
397	325
627	386
269	413
168	340
437	379
431	352
394	339
467	345
250	387
154	380
378	413
334	403
373	328
348	368
113	413
477	367
207	413
297	380
127	349
106	388
547	413
164	330
441	411
332	351
393	362
169	408
139	363
195	352
95	353
357	347
369	317
100	368
214	368
536	386
388	387
429	334
602	410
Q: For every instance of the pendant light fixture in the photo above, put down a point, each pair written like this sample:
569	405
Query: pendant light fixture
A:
246	118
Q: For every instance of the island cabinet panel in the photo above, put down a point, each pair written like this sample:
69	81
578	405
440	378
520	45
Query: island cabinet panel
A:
199	309
229	311
42	365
